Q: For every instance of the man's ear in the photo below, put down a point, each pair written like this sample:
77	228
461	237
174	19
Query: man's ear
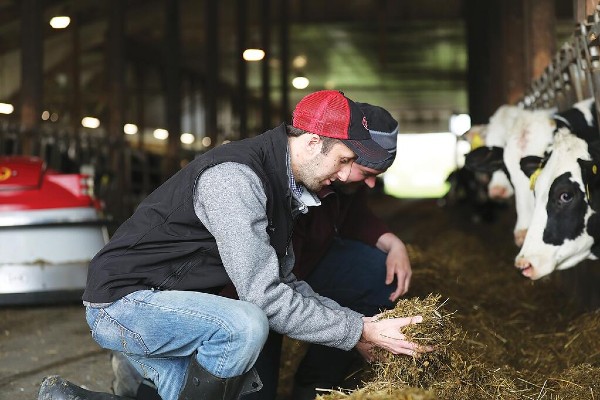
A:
313	142
485	159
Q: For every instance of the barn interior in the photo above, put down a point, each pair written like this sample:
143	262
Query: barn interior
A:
130	91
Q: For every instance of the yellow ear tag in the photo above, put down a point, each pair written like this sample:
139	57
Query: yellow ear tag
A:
534	177
476	141
587	188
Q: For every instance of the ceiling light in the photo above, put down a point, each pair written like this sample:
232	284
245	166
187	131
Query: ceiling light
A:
206	141
329	84
187	138
254	54
300	82
161	134
90	122
130	129
60	22
299	62
6	108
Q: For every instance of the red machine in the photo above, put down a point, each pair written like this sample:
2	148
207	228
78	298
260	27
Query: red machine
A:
50	228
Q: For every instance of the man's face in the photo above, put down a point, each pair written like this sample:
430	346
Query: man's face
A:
322	169
360	173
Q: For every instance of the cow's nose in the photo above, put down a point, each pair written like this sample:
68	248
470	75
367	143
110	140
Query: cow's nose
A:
524	265
498	192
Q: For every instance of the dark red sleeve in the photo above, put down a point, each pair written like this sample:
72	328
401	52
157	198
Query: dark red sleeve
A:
359	222
313	234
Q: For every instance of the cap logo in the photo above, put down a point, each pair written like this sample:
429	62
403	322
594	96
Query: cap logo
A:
364	122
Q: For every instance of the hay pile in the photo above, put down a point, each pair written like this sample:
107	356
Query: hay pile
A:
458	369
497	335
451	371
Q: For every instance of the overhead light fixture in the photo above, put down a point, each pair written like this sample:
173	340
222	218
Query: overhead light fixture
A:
161	134
300	82
90	122
187	138
299	61
253	54
130	129
60	22
206	141
6	108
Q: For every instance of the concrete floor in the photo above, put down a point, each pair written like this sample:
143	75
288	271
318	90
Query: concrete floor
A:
37	341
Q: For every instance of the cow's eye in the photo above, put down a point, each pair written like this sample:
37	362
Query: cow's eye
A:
566	197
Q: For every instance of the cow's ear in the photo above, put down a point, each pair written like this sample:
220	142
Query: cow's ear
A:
590	174
530	164
590	169
594	150
485	159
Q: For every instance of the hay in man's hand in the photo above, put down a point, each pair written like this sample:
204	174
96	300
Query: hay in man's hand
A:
436	331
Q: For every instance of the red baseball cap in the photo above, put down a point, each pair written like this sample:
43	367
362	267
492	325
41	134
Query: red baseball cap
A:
331	114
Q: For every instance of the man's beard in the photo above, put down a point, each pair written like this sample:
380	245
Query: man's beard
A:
308	175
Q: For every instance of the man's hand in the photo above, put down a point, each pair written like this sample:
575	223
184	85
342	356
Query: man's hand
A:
365	349
397	263
385	333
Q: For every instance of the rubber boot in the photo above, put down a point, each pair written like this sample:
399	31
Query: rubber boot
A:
127	379
202	385
57	388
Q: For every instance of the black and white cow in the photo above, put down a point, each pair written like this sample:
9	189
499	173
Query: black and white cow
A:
521	133
565	225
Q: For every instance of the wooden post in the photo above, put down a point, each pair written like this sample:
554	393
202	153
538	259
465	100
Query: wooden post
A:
482	102
583	8
541	27
514	50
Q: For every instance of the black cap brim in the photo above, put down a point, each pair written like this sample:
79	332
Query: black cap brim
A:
368	150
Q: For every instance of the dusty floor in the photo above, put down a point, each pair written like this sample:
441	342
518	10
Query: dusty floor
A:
36	341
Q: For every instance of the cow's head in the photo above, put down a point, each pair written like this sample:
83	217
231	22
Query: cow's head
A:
565	226
490	160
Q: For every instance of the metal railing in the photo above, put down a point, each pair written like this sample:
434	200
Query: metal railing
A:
574	73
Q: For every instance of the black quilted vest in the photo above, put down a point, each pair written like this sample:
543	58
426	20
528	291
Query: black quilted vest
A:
164	246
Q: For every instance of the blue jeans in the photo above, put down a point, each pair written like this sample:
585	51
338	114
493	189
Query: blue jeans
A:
353	274
158	331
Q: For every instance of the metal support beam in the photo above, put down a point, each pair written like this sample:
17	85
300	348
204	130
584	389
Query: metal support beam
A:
265	38
211	69
173	87
115	80
31	74
284	43
241	67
